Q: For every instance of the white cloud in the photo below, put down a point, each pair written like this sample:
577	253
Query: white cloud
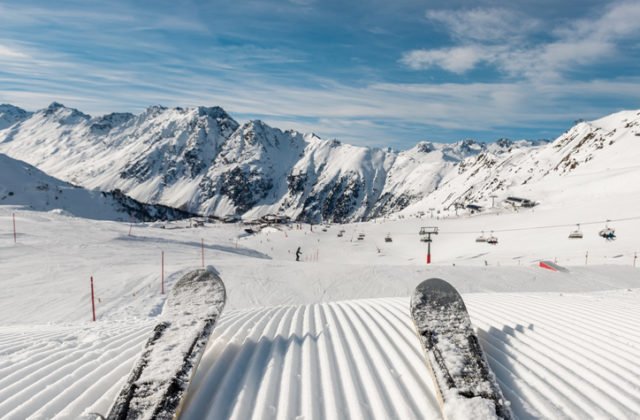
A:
504	39
11	53
484	25
456	60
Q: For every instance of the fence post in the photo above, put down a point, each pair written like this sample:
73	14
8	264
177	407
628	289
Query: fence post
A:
93	302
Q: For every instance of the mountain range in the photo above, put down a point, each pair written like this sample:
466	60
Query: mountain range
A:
200	160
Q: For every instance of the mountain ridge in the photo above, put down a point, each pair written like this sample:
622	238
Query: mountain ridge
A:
203	161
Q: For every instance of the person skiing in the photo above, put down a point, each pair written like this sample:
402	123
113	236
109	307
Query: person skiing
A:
298	253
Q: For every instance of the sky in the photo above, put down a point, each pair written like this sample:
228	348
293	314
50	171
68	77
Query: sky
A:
368	72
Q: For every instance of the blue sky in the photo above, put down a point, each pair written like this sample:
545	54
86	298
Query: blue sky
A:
368	72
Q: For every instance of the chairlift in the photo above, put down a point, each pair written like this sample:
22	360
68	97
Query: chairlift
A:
576	234
361	236
492	240
340	234
428	230
388	238
608	233
481	238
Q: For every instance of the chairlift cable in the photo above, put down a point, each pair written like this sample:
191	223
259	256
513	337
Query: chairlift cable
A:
545	227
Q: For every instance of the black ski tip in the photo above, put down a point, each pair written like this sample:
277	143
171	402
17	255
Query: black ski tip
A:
436	292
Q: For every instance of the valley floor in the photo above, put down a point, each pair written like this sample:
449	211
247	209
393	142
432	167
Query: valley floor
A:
329	337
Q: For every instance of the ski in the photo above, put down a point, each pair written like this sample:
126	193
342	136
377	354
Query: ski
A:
157	383
465	384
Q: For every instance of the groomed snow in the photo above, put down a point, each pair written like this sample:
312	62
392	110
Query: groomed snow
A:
329	337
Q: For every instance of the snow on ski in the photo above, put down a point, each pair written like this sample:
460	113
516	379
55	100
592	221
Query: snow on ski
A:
158	381
464	382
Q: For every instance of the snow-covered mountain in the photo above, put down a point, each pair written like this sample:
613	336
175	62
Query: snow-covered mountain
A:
202	161
10	115
24	185
594	157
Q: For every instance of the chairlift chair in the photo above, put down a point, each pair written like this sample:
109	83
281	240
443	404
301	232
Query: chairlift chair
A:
388	238
492	240
481	238
361	236
608	233
576	234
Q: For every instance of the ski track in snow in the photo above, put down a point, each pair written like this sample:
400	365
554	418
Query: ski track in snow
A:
555	355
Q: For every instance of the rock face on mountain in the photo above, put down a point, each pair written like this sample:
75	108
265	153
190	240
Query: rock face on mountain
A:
202	161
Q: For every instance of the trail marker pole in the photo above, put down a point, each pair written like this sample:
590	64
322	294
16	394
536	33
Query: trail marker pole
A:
202	252
93	302
15	240
586	258
162	273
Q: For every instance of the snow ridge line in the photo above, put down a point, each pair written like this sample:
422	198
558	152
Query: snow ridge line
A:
563	341
74	372
351	359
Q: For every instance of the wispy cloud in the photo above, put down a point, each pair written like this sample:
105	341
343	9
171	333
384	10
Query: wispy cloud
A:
456	59
295	65
11	53
520	46
485	25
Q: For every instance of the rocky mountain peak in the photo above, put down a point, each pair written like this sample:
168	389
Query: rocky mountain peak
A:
10	115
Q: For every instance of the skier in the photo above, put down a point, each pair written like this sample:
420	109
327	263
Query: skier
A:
298	253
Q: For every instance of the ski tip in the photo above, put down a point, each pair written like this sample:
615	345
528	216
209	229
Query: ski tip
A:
435	284
435	291
213	270
200	282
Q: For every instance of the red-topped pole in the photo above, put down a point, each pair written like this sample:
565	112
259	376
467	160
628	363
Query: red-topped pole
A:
93	302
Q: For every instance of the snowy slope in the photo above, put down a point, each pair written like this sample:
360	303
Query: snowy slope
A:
591	158
203	161
329	335
355	359
23	185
